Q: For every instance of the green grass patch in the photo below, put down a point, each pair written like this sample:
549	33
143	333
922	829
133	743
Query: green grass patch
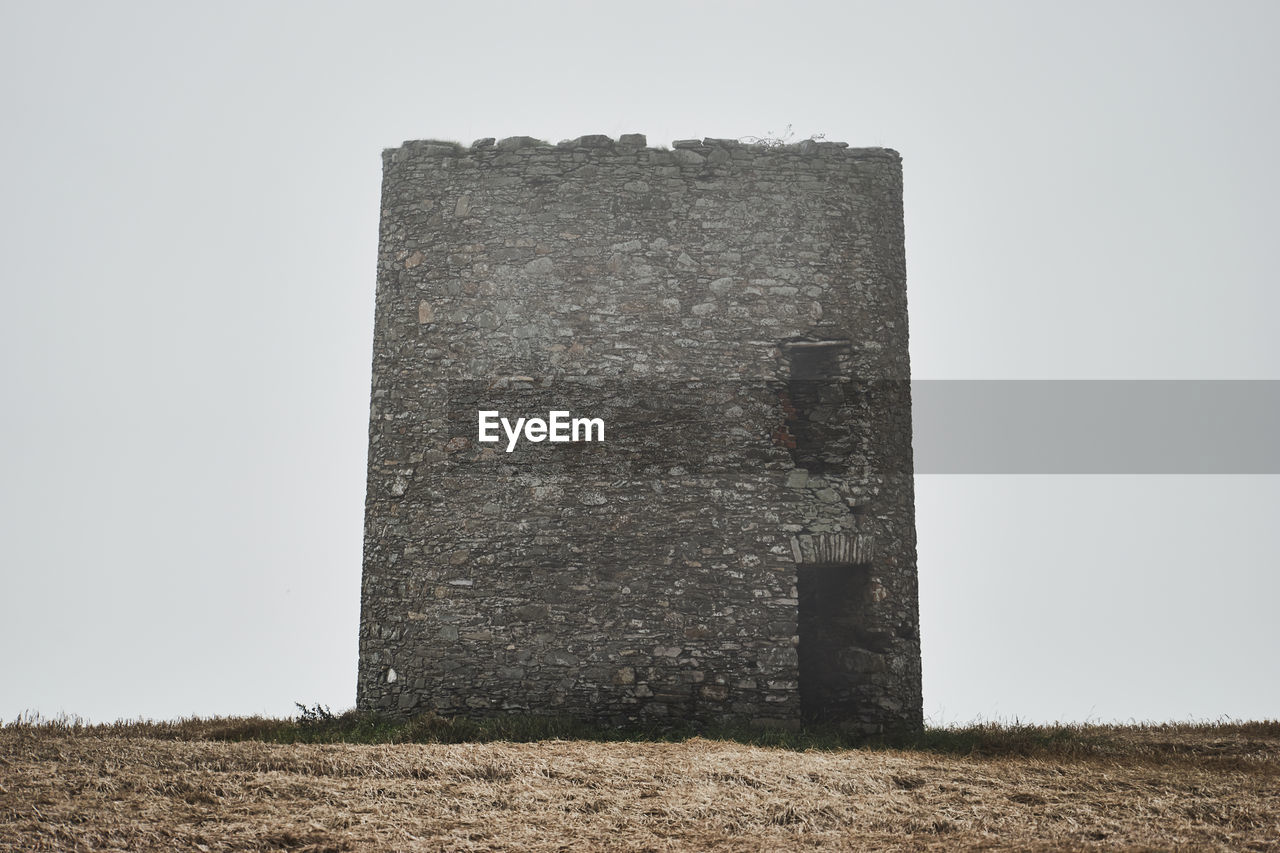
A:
318	724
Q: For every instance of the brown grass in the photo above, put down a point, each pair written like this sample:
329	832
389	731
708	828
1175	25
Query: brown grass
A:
179	786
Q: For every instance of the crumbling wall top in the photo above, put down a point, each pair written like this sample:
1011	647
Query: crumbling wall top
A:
632	143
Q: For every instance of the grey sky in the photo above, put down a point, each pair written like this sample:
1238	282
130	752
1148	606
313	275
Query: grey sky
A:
188	226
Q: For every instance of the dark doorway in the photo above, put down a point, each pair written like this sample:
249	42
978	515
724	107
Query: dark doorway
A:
829	603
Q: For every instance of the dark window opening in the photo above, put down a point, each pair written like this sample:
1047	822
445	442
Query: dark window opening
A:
811	402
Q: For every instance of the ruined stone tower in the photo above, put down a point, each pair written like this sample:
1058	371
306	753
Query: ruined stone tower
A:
741	543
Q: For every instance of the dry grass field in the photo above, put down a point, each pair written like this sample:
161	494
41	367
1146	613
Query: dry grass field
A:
195	785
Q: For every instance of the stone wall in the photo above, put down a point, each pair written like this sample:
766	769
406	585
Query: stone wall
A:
742	544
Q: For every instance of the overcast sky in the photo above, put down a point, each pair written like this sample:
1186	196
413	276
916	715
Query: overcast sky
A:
188	237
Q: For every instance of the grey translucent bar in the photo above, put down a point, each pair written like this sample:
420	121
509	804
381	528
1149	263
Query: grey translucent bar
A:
1096	426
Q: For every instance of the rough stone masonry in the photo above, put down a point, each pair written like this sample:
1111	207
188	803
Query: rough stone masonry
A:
740	546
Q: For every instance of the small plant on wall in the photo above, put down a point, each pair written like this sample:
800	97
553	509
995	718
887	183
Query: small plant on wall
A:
777	140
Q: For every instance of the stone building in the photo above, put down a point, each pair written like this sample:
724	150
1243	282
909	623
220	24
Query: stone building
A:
740	546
